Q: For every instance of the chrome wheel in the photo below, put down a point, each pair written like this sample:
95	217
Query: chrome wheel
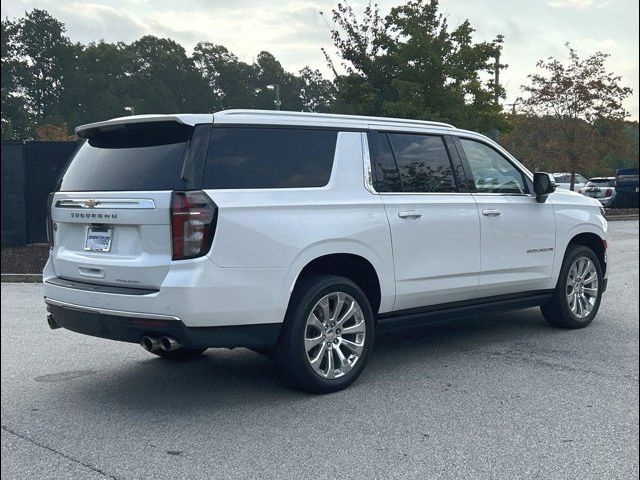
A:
582	287
334	335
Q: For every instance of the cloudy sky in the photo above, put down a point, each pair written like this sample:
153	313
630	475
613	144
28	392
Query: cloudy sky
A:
294	31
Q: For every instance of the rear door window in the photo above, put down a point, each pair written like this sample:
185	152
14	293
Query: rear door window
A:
130	157
423	163
255	157
386	177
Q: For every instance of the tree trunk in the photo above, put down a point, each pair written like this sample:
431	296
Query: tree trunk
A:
573	181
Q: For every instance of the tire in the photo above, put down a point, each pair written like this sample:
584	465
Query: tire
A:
568	308
339	357
181	354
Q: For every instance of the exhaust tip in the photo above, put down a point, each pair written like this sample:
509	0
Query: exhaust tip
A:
169	344
52	323
150	344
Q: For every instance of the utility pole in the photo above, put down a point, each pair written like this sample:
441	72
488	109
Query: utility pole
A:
497	78
496	88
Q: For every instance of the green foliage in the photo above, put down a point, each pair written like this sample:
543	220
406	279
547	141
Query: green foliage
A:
16	122
316	93
582	104
411	64
47	56
161	66
538	143
232	82
99	86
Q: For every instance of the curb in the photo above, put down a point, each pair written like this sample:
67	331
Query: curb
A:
619	218
22	277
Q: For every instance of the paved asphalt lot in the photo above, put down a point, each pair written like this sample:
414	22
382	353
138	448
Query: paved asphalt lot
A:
498	396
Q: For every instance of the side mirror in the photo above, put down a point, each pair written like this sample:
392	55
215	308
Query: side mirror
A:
543	185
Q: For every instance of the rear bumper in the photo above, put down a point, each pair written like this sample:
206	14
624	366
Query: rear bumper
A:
196	292
607	201
131	327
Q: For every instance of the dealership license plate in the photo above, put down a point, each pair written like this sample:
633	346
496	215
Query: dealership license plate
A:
98	239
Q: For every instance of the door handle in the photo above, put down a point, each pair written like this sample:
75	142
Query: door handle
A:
409	214
492	212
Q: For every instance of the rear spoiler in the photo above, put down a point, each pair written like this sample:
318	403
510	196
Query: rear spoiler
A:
91	129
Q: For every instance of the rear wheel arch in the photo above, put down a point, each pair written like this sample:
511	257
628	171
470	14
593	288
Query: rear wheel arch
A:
348	265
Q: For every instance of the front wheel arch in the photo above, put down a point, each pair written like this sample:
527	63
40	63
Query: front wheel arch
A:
594	242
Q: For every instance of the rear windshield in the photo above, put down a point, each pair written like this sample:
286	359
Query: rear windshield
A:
248	157
132	157
601	182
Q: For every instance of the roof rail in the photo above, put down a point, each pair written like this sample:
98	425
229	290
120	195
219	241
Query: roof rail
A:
333	116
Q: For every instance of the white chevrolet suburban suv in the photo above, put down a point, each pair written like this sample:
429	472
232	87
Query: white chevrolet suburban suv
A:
300	234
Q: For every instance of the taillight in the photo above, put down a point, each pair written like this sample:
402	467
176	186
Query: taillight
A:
193	224
49	221
608	192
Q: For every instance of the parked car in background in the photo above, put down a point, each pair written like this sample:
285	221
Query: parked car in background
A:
626	188
602	188
563	180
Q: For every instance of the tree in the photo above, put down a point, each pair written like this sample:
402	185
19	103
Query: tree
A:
582	98
51	132
316	93
236	84
269	71
232	83
15	120
101	84
47	56
163	79
411	64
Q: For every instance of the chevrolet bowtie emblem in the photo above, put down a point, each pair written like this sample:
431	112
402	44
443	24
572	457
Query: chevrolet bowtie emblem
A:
91	203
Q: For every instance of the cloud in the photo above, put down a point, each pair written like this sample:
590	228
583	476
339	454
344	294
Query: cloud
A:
294	34
577	4
88	20
593	44
570	3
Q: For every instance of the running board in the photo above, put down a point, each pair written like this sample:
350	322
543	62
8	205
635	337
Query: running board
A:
448	311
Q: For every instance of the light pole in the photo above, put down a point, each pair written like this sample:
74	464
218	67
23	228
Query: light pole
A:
276	89
131	110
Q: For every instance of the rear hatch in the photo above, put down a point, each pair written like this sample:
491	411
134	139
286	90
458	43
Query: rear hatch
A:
110	218
599	188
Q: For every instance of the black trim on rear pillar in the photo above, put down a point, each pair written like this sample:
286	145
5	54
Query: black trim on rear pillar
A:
126	329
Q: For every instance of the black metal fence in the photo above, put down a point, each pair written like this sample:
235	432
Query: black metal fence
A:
29	173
